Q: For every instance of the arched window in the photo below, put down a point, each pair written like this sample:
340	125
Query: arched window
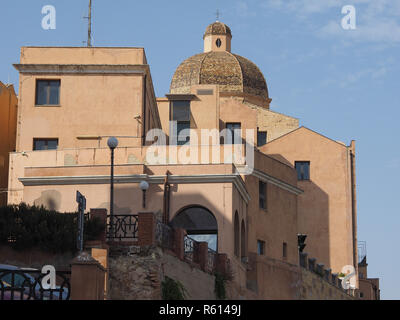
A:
199	223
243	240
236	234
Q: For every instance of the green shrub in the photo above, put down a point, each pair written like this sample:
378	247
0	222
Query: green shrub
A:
219	286
173	290
24	227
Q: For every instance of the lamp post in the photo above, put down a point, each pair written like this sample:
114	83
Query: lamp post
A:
112	144
144	185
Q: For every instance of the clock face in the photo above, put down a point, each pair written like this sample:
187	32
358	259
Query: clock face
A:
218	42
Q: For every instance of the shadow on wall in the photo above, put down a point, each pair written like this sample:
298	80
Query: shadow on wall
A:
313	217
50	199
128	200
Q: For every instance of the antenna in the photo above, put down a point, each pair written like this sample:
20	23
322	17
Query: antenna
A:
89	17
217	13
89	43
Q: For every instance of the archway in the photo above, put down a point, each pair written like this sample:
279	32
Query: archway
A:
243	240
236	234
199	223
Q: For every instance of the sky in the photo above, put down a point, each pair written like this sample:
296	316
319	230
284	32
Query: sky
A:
339	82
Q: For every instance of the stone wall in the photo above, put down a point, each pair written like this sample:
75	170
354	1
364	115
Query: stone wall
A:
314	287
199	284
276	124
272	279
136	273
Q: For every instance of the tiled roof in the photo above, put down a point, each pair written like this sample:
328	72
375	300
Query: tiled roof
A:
218	28
233	73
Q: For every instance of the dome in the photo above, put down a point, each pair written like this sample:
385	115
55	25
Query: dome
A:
217	28
233	73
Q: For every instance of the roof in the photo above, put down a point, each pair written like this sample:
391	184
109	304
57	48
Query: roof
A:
217	28
311	131
233	73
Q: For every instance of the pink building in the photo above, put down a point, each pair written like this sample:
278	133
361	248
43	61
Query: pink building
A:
284	180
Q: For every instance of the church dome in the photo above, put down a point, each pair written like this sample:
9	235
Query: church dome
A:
235	75
217	28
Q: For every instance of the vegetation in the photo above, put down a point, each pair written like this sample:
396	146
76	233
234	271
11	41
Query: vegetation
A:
219	286
220	283
24	227
173	290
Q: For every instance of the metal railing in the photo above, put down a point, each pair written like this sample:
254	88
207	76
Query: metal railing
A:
27	285
189	244
122	227
212	260
164	235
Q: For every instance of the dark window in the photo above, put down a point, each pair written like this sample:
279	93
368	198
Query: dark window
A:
45	144
180	112
303	170
262	194
47	92
361	295
260	247
261	138
233	133
284	250
218	42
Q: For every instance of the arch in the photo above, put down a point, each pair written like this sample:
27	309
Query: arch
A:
243	240
199	222
236	234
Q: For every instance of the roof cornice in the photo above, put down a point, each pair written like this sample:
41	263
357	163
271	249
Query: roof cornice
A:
81	69
235	179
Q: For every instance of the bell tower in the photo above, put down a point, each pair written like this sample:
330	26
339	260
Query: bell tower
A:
217	37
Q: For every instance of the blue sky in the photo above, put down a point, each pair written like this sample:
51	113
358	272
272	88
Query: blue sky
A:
341	83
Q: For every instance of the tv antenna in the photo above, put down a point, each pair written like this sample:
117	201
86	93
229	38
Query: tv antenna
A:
89	17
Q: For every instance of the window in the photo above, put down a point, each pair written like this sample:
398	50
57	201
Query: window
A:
262	194
261	138
260	247
218	42
47	92
180	112
233	133
45	144
361	295
284	250
303	170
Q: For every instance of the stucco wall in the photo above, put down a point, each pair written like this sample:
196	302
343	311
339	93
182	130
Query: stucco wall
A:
325	207
8	127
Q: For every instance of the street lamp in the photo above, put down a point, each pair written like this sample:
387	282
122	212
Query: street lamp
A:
144	185
112	144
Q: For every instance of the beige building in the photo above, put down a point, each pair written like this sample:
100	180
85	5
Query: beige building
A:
8	129
73	99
